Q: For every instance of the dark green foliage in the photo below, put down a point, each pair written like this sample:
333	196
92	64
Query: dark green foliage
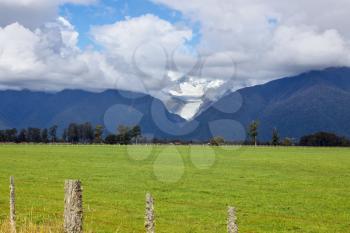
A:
44	136
79	133
98	132
136	133
287	142
253	131
87	133
65	135
8	135
125	135
75	133
22	136
112	139
53	133
275	137
324	139
34	135
217	141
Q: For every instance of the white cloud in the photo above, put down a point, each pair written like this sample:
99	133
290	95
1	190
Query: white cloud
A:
275	37
32	13
306	48
144	44
124	37
263	39
133	58
48	59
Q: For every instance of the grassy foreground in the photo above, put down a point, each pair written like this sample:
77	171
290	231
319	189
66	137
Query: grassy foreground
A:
273	189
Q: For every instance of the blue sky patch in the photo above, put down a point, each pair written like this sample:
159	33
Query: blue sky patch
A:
111	11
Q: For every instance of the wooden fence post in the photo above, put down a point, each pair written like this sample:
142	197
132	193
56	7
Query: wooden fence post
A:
149	217
231	220
12	205
73	209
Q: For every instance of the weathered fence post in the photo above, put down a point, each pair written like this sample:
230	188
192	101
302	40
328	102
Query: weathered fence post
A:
12	205
231	220
149	217
73	209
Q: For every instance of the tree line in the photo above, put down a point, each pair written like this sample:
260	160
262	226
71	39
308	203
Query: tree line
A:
319	139
86	133
324	139
75	133
252	139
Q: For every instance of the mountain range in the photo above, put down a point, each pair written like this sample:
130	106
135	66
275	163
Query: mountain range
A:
21	109
295	106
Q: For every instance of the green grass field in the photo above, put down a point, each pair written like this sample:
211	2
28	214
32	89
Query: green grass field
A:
273	189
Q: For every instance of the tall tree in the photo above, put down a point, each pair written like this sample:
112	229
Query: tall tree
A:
2	136
98	133
65	135
275	141
253	132
53	133
73	133
22	136
88	133
34	135
8	135
124	134
44	136
135	133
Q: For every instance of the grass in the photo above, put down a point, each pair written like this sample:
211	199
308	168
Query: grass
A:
273	189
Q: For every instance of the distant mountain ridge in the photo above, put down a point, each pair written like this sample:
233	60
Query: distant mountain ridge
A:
296	106
21	109
299	105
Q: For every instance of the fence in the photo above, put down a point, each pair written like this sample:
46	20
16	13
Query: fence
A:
73	210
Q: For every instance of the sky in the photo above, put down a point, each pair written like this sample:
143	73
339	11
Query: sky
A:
178	51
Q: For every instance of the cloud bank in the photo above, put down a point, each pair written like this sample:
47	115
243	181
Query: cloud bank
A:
241	43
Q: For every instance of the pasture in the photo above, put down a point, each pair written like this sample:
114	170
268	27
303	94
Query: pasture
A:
274	189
